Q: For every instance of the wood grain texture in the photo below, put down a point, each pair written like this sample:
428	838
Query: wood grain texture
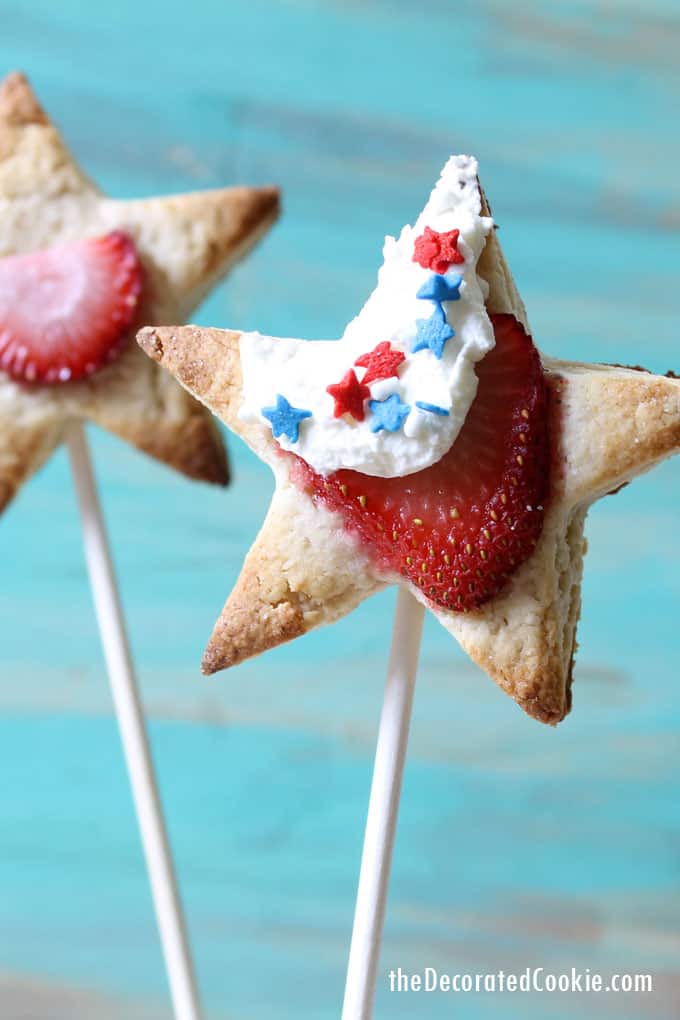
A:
516	846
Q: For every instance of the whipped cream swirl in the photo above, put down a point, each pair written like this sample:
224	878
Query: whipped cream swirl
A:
434	386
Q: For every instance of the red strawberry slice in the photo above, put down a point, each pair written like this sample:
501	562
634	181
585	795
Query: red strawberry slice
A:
461	527
65	311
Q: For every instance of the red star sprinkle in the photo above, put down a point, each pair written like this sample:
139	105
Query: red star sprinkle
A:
381	363
437	251
349	395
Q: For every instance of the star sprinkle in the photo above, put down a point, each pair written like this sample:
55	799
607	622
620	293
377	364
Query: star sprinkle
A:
381	363
441	288
388	414
436	251
433	333
432	408
285	419
610	425
186	243
349	396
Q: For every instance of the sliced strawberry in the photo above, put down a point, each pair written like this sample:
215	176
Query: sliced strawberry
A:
65	311
461	527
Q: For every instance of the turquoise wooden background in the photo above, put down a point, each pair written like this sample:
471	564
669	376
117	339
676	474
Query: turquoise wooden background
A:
517	845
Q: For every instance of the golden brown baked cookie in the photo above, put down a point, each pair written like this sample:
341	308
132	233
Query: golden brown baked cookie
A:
608	424
186	243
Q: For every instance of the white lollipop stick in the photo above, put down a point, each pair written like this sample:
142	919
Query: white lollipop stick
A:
133	734
383	808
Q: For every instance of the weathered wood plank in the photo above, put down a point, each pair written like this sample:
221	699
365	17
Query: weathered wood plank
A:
517	845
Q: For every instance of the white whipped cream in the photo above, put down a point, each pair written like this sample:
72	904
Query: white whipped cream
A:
300	370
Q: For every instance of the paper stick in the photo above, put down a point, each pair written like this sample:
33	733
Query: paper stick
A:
383	808
133	734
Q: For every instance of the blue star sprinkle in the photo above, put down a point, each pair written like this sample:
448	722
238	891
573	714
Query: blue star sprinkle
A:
433	333
389	414
285	419
441	288
432	408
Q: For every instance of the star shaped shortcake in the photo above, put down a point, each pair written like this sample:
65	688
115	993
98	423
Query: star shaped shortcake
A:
79	273
488	530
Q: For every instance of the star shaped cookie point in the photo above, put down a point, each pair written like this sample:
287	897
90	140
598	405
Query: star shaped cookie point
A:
18	103
504	578
50	212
